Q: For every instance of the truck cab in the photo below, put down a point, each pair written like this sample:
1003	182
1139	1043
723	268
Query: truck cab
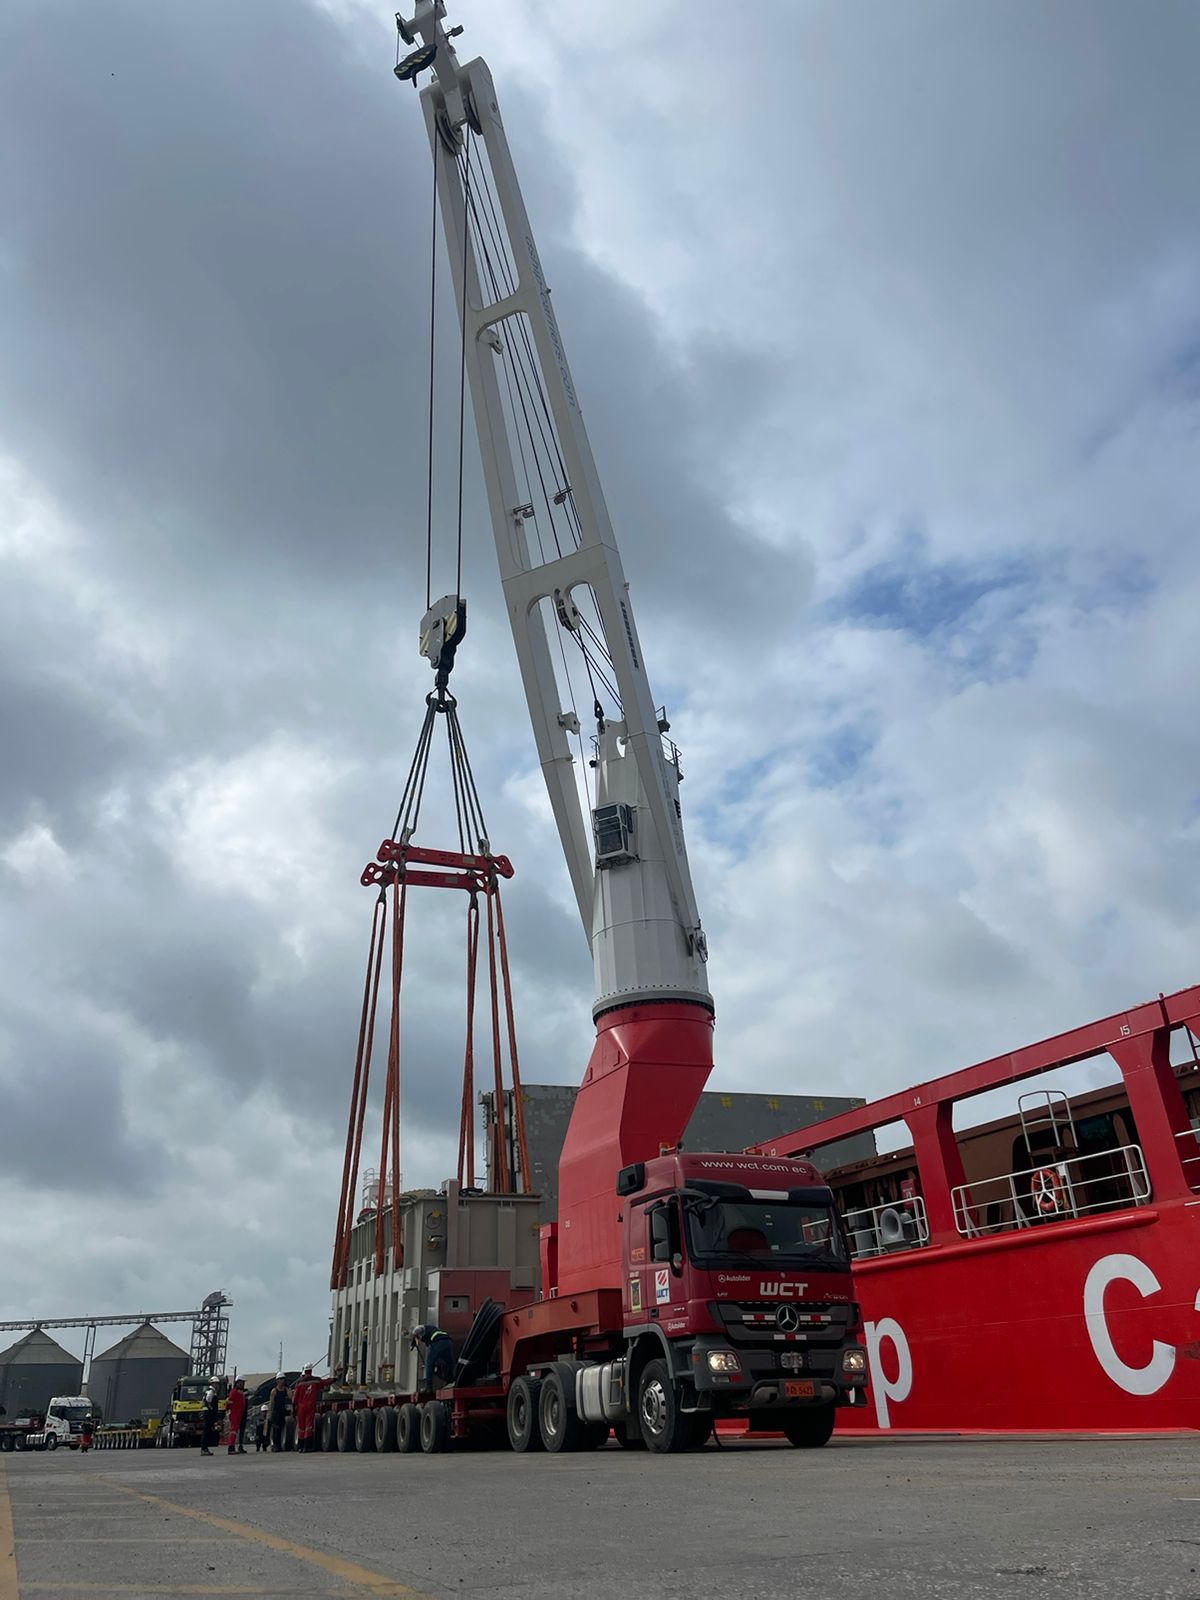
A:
183	1423
737	1279
65	1416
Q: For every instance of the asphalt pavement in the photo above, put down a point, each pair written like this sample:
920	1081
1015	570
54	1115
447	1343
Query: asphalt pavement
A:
879	1519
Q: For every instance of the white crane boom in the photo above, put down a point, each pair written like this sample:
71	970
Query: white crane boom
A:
635	893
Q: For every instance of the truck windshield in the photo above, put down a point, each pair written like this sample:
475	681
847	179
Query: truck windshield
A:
71	1413
764	1231
192	1391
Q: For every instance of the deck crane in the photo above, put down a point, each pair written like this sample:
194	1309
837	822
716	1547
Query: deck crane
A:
637	1328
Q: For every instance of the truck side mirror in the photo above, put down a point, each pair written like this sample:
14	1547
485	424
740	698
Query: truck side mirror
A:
677	1263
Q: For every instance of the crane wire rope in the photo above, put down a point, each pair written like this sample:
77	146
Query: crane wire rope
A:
520	367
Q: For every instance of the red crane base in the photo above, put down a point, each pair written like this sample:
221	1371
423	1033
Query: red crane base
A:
645	1077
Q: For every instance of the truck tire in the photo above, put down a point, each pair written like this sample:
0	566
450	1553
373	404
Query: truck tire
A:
6	1442
700	1427
327	1431
665	1427
364	1432
808	1429
385	1428
51	1442
558	1419
345	1431
408	1428
524	1432
435	1427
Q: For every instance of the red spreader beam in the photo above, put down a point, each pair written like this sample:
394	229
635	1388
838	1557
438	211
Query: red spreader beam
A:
399	866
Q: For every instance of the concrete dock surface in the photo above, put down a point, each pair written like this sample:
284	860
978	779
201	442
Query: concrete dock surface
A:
869	1518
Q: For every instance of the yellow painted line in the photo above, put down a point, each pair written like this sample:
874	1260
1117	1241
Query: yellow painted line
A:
126	1538
348	1571
10	1588
161	1588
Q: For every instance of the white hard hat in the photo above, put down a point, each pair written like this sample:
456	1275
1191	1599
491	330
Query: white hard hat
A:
279	1375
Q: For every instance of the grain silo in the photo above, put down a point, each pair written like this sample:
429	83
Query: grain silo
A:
33	1369
134	1378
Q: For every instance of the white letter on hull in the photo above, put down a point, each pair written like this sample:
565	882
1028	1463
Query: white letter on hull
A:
1134	1380
884	1388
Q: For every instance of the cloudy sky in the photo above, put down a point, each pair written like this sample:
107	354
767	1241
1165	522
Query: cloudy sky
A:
885	319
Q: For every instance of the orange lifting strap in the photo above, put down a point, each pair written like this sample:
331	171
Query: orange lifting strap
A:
472	867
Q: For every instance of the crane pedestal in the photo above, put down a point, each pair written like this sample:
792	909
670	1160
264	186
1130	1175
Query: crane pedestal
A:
646	1074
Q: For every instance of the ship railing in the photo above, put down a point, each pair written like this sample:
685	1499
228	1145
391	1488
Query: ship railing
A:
880	1230
1077	1186
1189	1155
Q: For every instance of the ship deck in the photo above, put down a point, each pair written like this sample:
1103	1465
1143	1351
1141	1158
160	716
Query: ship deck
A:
865	1517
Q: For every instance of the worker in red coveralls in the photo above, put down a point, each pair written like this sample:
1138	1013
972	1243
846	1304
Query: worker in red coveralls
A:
304	1402
235	1417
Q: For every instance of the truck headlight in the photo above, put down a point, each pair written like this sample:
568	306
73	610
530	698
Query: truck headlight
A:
723	1361
854	1362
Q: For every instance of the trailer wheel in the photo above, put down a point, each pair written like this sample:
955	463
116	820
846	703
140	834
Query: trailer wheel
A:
364	1432
385	1428
408	1428
557	1416
327	1431
524	1433
808	1429
664	1425
435	1427
345	1431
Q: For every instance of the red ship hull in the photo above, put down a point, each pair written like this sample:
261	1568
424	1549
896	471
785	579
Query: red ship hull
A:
1052	1289
1081	1326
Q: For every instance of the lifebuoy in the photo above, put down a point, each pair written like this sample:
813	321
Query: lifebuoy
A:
1047	1192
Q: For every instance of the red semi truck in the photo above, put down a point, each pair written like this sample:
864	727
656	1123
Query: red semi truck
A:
677	1288
735	1301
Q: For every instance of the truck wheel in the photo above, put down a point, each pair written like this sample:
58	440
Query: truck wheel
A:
665	1428
700	1427
385	1428
345	1431
6	1443
808	1429
364	1432
408	1428
435	1427
327	1431
51	1442
557	1416
523	1430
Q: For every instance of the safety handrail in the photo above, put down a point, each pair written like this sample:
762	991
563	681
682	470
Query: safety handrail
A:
1190	1155
881	1230
1076	1186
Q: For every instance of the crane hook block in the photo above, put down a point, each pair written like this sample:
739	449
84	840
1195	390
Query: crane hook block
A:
443	628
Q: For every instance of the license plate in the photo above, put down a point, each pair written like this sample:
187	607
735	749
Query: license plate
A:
799	1389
